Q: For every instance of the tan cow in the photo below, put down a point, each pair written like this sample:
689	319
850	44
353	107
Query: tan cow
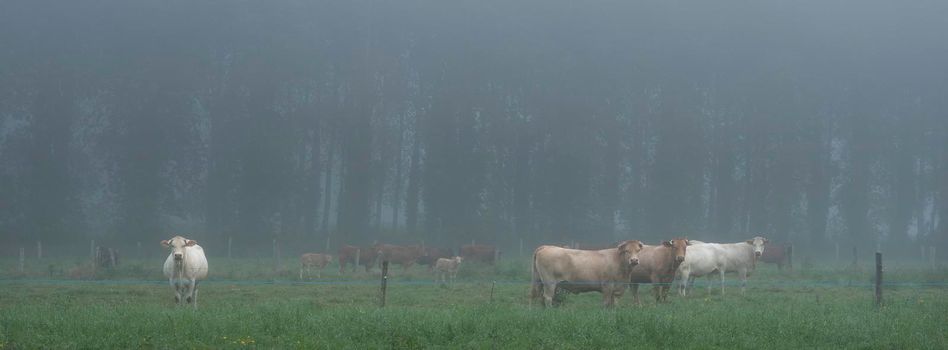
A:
311	260
483	253
606	271
657	265
448	266
406	256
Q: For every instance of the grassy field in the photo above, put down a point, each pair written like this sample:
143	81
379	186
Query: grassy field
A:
249	306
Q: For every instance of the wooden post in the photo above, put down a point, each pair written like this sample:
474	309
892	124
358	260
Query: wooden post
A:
855	257
837	252
878	279
790	257
492	284
22	258
358	252
384	282
230	244
931	255
39	250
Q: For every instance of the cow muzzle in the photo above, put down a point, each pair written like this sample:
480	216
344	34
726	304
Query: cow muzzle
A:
634	262
679	258
178	257
757	254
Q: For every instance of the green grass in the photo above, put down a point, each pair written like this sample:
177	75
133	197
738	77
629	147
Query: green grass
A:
781	310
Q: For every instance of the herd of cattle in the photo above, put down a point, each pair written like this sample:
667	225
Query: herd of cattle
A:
609	271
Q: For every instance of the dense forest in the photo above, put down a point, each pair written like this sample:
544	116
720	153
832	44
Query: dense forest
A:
548	121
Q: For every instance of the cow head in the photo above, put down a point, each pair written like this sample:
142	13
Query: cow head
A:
177	245
758	243
678	245
458	259
629	252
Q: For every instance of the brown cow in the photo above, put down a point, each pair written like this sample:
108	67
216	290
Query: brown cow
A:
395	254
480	252
657	265
776	253
349	254
310	260
606	271
430	256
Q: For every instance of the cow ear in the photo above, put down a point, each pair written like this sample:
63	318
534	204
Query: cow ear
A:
668	243
165	243
191	243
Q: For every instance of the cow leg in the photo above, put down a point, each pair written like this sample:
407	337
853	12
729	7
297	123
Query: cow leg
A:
743	274
301	273
194	293
549	290
683	282
177	291
722	281
608	298
635	294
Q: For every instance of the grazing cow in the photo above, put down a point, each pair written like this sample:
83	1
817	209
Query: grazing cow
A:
657	265
406	256
310	260
448	266
184	267
480	252
106	257
431	255
606	271
776	253
708	258
348	254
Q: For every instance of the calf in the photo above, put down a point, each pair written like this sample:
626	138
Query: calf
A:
606	271
657	265
185	267
430	256
708	258
448	266
310	260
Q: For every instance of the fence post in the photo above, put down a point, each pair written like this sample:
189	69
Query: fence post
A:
384	281
837	252
356	267
878	279
496	255
327	244
22	258
230	244
855	258
492	284
521	247
790	257
276	256
931	255
92	249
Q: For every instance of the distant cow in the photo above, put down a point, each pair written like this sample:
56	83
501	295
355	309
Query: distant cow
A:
106	257
480	252
185	267
348	254
777	253
709	258
657	265
606	271
448	266
406	256
311	260
430	256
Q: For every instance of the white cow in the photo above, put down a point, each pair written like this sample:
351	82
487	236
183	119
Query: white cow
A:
185	266
448	266
703	259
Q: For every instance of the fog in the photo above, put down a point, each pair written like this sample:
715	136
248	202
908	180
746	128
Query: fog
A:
502	122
